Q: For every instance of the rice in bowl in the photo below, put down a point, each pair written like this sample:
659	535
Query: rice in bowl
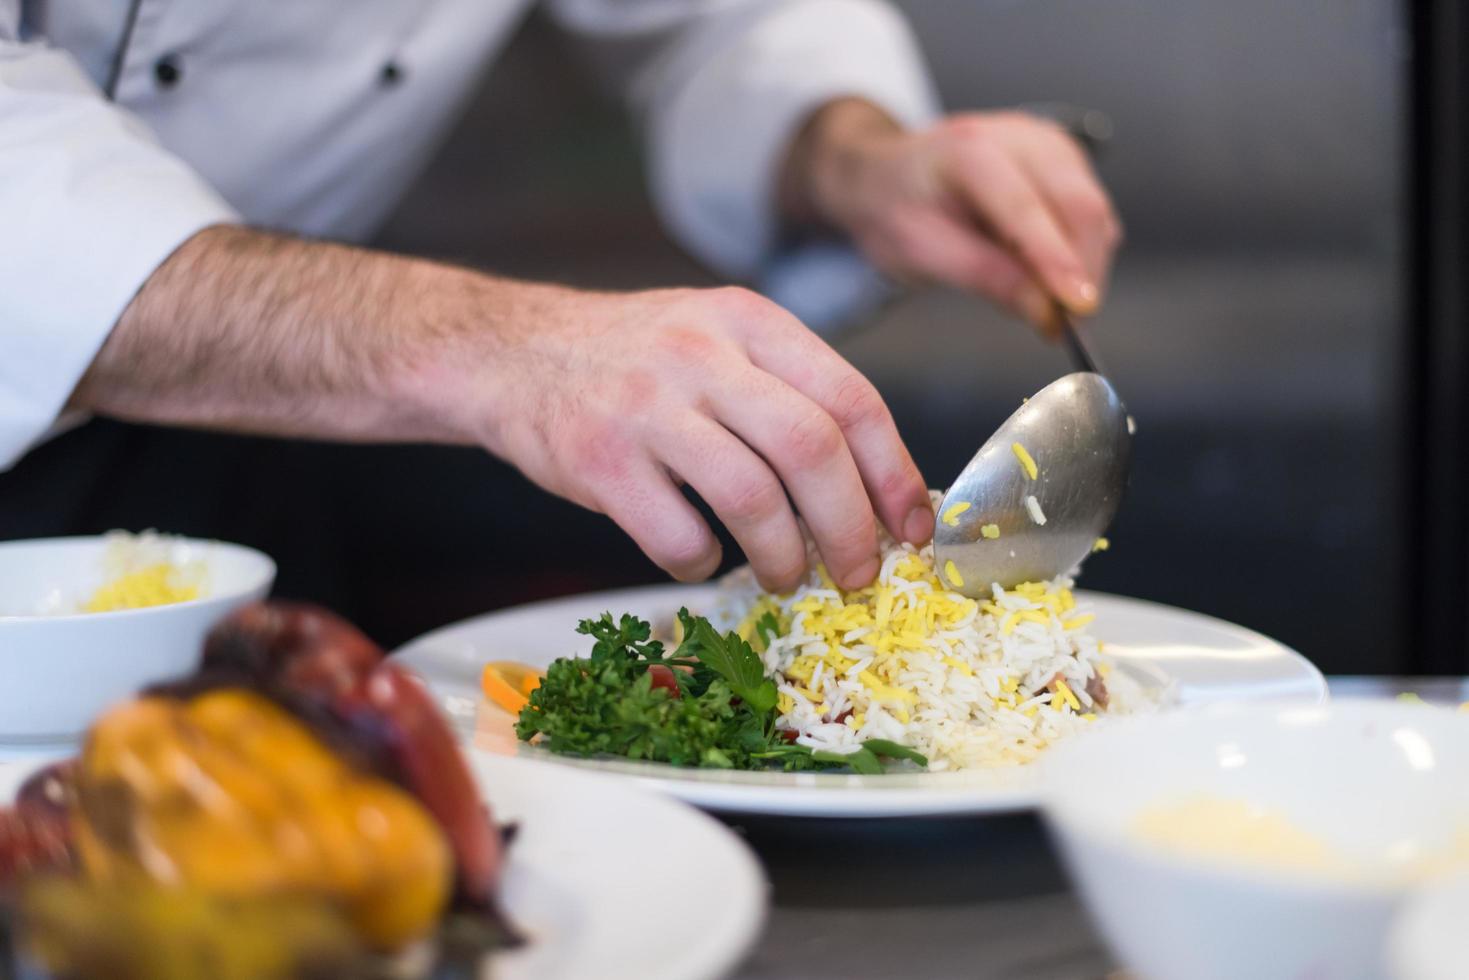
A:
967	683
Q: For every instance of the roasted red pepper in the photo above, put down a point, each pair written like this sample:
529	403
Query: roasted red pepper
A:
35	833
433	768
299	646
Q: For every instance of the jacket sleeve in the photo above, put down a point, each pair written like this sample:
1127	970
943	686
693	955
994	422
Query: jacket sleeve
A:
721	88
91	205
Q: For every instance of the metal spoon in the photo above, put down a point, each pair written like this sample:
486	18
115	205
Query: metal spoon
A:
1078	433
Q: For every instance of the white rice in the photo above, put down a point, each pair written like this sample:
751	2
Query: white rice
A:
977	689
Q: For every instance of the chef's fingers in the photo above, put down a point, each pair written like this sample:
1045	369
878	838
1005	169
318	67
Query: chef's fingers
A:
809	452
743	492
1074	194
895	488
941	248
641	498
1007	202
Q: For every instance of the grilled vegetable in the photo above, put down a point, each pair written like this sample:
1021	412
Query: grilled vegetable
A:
298	772
35	834
29	844
293	645
430	764
139	930
229	795
321	663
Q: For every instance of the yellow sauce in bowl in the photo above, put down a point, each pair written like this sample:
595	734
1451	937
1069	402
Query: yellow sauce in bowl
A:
1234	832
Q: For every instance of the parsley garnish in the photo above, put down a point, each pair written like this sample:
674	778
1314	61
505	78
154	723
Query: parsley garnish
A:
731	658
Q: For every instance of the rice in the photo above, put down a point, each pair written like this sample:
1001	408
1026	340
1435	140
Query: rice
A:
967	683
1033	506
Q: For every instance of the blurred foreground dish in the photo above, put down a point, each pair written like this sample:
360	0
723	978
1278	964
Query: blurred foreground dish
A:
296	808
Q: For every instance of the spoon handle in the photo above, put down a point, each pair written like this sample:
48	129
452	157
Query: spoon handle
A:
1081	355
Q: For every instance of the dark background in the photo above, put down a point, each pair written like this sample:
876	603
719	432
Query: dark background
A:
1259	327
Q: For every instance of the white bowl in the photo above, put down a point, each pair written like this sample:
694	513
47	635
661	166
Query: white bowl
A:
1427	943
1380	783
58	672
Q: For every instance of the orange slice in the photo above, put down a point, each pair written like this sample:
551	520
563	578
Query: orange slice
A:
509	684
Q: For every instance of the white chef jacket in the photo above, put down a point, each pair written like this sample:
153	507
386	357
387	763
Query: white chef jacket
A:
128	125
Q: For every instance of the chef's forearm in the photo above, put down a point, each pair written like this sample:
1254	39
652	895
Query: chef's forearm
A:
250	331
612	400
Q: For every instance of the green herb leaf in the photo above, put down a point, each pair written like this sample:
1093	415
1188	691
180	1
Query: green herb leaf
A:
862	762
731	658
767	628
627	639
893	750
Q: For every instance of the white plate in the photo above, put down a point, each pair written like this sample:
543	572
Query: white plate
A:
592	861
1208	660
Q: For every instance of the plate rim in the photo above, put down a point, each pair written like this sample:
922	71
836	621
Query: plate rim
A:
746	887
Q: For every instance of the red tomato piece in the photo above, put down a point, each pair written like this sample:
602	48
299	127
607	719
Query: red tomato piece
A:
663	677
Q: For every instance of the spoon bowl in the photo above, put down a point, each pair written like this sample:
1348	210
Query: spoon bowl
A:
1023	527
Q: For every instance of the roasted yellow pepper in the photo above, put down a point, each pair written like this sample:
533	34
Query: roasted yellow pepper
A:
228	794
144	931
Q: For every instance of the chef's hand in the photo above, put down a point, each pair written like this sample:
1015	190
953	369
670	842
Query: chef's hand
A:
611	400
614	400
1000	203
